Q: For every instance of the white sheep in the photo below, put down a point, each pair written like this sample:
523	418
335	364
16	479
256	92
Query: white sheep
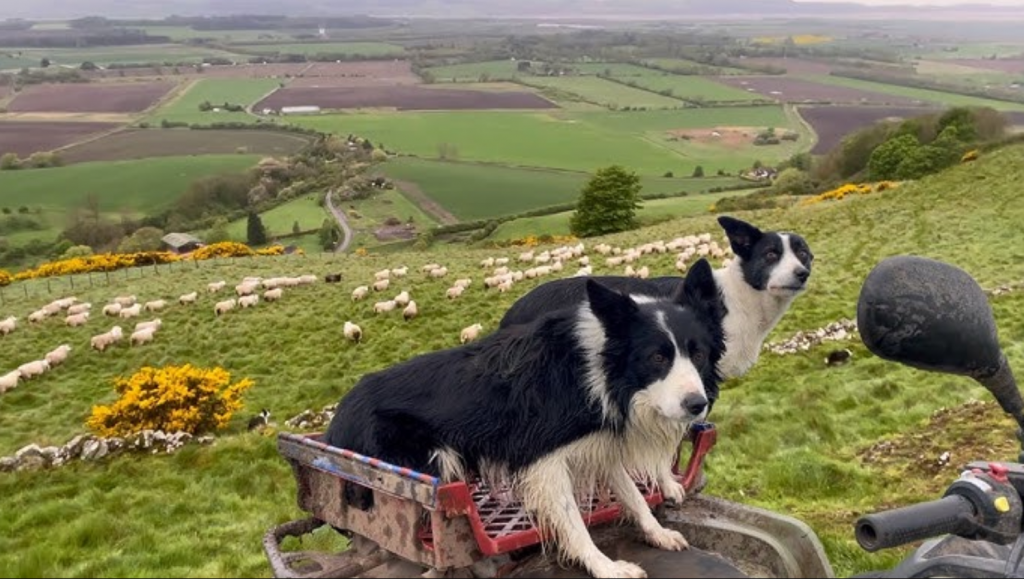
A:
454	292
155	305
249	301
216	286
57	356
439	272
9	381
381	285
130	312
505	286
307	279
32	369
463	283
101	341
111	309
154	323
142	336
382	307
382	274
37	316
224	307
79	308
8	325
188	298
501	261
360	293
64	303
470	333
125	301
410	311
272	295
402	299
76	320
429	267
244	289
400	271
487	263
353	332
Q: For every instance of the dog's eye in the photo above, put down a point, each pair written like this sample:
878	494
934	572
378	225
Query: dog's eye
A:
803	255
771	256
697	358
659	359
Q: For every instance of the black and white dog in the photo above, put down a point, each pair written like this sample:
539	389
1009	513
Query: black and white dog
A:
577	399
770	270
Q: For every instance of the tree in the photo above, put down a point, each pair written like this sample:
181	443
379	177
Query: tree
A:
77	251
886	158
793	181
607	203
144	239
44	62
10	161
295	227
218	231
255	233
698	171
328	234
88	65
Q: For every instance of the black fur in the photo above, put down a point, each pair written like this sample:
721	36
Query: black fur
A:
520	393
759	251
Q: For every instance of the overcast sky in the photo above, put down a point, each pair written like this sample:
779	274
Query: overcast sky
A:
1019	3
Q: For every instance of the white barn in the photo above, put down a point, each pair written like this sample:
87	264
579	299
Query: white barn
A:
301	110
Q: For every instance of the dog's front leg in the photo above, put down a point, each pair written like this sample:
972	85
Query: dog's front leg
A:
671	489
547	491
635	506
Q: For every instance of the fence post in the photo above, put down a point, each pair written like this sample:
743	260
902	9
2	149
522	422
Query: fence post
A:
90	278
48	290
107	273
24	286
155	270
2	300
71	278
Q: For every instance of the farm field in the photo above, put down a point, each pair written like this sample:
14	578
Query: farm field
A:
312	48
403	98
474	191
26	137
615	69
797	90
683	66
279	221
694	88
185	107
793	66
473	71
89	98
1004	65
145	143
920	94
355	73
146	185
187	33
652	211
604	92
367	217
134	54
796	436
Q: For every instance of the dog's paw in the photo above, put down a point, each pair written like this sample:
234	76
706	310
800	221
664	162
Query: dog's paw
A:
613	569
667	539
672	490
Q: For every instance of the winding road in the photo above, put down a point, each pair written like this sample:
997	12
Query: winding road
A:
339	216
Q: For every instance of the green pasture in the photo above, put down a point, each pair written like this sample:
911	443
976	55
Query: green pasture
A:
185	106
682	65
474	71
366	215
305	210
917	93
311	48
693	88
132	54
603	92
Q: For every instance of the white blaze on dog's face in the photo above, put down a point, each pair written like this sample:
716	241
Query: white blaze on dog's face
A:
678	394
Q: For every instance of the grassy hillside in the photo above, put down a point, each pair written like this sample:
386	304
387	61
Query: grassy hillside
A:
792	432
239	91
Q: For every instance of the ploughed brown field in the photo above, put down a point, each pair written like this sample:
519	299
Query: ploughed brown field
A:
362	73
796	90
1008	65
792	65
349	73
833	123
142	143
403	98
89	98
27	137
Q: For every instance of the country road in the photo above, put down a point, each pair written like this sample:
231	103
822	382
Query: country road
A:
346	231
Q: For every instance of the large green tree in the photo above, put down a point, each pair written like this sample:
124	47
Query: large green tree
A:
607	203
256	234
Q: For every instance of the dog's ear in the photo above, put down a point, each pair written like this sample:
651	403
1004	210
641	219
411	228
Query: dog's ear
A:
613	309
699	290
742	235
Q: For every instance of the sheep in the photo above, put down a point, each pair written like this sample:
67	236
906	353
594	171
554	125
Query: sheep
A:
487	263
79	308
76	320
332	278
130	312
142	336
273	294
382	307
101	341
470	333
244	289
37	316
402	299
381	285
501	261
306	279
505	286
57	356
125	301
382	274
225	306
464	283
360	293
111	309
64	303
353	332
9	381
216	286
188	298
249	301
410	311
400	271
51	309
155	305
35	368
455	291
429	267
439	272
9	325
154	323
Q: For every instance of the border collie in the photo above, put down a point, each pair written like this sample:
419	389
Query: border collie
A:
770	270
577	401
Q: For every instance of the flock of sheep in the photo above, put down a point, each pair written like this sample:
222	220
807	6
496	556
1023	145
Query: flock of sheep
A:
127	307
502	277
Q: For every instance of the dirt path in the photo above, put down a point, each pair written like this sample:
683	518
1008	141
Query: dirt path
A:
346	231
417	196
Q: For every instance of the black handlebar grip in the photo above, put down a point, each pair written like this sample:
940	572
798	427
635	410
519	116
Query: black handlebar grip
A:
953	514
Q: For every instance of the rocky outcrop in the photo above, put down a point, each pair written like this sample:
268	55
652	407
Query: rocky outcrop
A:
92	448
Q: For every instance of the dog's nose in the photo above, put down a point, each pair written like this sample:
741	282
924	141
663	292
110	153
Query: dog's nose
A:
695	404
802	274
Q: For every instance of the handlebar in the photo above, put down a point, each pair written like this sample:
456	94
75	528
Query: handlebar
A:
951	515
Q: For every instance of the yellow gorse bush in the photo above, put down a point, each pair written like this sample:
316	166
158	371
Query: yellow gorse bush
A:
969	156
5	278
223	249
848	189
533	240
172	398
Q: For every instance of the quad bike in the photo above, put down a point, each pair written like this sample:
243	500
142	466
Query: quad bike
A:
915	311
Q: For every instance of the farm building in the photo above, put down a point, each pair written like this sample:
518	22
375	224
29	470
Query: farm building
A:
301	110
181	242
